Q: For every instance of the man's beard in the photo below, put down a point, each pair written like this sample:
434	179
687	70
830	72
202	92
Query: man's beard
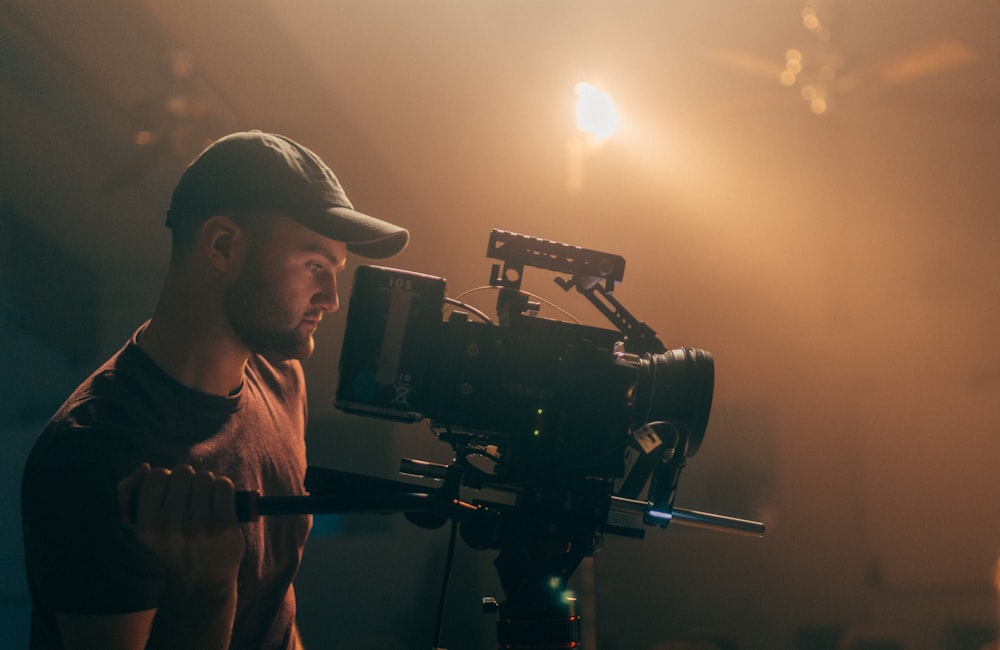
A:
255	313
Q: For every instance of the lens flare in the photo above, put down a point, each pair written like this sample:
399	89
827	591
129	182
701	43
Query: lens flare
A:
595	111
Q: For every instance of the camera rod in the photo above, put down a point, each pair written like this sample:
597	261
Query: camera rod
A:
250	506
686	517
397	496
644	509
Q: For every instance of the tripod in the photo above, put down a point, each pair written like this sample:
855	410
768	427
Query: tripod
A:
541	541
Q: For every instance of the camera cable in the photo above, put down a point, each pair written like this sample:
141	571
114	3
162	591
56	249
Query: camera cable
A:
449	560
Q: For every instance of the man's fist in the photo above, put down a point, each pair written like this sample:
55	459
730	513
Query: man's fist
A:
188	520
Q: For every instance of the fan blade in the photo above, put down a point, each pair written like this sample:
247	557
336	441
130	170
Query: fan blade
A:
931	59
746	62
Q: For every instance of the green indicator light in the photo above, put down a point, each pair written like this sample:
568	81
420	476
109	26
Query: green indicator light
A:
536	433
539	411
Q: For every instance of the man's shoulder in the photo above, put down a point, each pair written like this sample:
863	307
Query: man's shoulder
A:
86	446
112	392
102	413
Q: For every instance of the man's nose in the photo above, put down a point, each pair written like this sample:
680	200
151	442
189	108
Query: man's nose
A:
326	298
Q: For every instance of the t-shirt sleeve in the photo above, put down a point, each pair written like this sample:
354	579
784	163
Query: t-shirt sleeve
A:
80	558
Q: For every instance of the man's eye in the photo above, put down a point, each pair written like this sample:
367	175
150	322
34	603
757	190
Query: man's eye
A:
315	267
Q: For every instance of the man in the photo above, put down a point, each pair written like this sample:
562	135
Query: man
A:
131	537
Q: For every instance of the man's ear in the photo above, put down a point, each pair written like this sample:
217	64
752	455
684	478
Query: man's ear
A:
224	243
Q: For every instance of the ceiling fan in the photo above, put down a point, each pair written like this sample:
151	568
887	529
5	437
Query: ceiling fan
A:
819	69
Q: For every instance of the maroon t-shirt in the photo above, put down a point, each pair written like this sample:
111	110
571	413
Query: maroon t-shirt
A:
79	557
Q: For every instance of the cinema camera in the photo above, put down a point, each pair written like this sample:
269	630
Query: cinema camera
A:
580	428
550	402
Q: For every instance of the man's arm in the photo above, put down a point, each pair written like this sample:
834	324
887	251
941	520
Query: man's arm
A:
195	622
188	520
110	632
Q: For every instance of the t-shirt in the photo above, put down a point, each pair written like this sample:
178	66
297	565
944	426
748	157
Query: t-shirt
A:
80	559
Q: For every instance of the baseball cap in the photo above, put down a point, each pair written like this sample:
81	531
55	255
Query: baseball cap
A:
254	170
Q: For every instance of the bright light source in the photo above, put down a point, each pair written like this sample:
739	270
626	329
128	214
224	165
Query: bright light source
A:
595	112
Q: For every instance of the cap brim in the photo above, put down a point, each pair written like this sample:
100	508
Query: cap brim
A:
364	235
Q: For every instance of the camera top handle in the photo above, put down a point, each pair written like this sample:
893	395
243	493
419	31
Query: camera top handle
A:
517	251
594	274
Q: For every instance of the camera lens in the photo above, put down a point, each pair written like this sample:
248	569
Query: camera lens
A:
676	386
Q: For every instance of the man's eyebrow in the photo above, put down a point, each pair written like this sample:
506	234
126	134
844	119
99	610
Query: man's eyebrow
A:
334	259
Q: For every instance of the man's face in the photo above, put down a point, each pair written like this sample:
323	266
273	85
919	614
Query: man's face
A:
287	282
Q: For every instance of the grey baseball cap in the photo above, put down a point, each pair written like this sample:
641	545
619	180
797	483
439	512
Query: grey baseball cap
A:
254	170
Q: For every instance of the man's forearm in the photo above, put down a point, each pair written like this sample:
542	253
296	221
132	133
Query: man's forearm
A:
194	619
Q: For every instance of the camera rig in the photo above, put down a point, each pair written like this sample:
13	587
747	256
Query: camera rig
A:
562	432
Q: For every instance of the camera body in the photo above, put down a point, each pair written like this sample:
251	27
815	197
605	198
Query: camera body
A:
552	397
549	402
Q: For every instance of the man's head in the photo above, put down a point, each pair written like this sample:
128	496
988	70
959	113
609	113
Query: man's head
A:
252	170
272	220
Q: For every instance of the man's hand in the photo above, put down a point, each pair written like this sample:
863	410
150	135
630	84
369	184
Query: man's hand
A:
188	520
